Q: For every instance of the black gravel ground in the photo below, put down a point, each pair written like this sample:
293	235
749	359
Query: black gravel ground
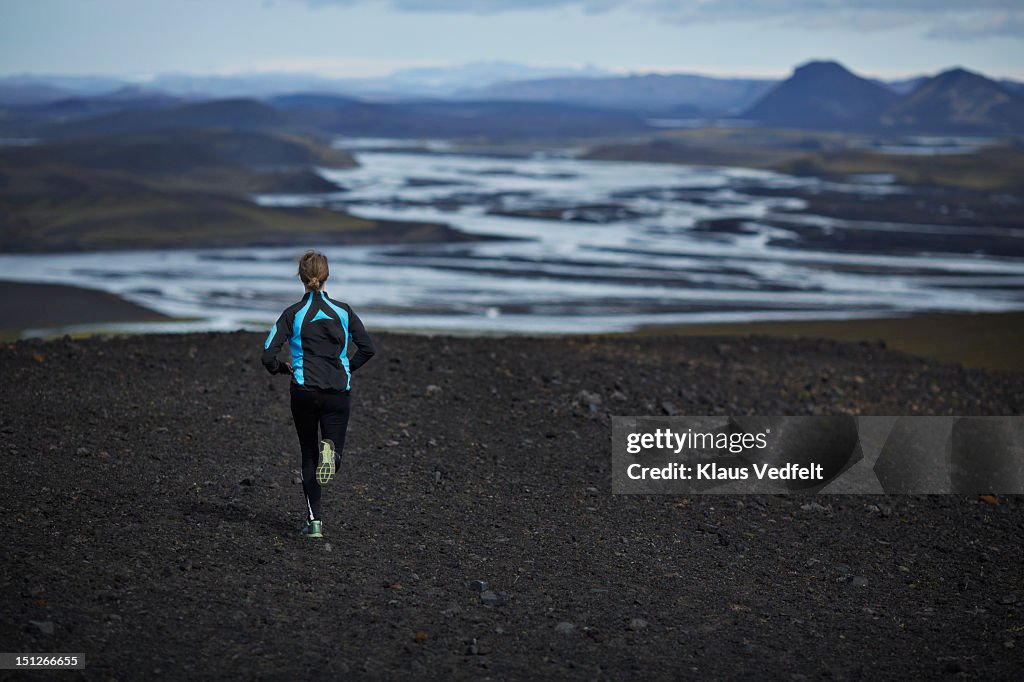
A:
150	516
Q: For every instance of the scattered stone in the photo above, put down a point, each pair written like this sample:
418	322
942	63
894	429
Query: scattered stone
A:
637	624
477	585
669	408
434	390
815	507
44	626
328	547
565	628
82	452
1007	600
489	598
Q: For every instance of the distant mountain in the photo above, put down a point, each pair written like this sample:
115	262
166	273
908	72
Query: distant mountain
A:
903	85
125	99
319	111
61	87
421	82
958	101
228	114
824	95
313	100
447	81
1016	86
242	86
347	116
818	95
657	94
29	94
650	93
446	119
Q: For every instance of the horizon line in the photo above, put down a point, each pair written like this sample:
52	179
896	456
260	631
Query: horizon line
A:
609	71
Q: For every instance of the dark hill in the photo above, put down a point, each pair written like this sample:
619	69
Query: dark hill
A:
958	101
312	100
476	119
28	94
319	111
823	95
341	115
179	151
70	108
229	114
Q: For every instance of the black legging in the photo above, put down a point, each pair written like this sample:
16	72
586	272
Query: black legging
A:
328	410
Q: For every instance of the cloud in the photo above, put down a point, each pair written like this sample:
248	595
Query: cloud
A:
985	24
937	19
480	6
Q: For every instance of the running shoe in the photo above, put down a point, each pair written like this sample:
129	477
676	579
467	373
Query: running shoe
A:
313	529
328	465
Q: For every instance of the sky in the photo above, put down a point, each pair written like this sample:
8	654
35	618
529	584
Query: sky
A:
137	39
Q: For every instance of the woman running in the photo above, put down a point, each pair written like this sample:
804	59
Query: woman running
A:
318	329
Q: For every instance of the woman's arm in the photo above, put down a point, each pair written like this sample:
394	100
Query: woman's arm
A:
357	332
272	346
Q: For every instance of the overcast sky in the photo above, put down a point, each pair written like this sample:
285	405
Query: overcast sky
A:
139	38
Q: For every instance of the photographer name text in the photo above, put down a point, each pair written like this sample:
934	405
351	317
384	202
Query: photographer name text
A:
711	471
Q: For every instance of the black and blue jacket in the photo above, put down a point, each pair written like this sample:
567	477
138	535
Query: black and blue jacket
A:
318	330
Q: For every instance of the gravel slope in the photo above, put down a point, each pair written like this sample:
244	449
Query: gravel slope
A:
150	510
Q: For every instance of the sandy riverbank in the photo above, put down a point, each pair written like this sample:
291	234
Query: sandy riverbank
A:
983	340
